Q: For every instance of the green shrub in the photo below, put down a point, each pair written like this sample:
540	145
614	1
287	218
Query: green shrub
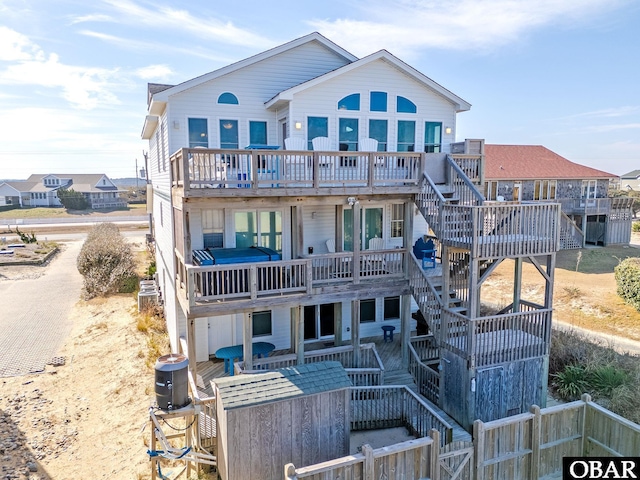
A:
151	269
571	382
72	200
635	227
26	237
627	275
605	379
106	262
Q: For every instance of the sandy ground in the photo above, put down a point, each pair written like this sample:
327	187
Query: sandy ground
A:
81	420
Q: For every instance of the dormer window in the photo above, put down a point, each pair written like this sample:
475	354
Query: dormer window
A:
350	102
228	98
404	105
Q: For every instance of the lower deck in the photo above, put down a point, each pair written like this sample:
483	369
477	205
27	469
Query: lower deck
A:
390	354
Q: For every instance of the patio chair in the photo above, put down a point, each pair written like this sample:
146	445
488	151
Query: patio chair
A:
297	163
322	144
429	255
376	263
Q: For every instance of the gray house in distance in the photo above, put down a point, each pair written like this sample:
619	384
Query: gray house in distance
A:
533	173
42	190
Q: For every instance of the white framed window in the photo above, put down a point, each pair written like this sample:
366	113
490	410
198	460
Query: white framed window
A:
262	326
491	190
544	189
397	220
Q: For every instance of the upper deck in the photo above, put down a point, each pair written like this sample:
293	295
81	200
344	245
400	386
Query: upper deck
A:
212	173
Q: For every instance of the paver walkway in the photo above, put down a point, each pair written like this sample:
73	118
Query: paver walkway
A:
34	314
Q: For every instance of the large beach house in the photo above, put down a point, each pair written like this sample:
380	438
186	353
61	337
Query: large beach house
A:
304	195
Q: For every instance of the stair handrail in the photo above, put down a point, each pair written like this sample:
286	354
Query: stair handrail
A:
429	202
470	195
565	223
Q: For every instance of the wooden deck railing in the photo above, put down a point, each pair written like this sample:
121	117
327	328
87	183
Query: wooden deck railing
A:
369	371
423	366
286	277
212	169
462	170
497	339
498	231
395	406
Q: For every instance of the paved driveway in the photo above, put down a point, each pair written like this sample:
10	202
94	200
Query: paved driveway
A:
34	314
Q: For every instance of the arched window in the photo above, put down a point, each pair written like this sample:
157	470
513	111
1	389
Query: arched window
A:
350	102
228	98
404	105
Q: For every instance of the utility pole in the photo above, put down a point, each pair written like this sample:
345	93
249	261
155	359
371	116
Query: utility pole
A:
136	176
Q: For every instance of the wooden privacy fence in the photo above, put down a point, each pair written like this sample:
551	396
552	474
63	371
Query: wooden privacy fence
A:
529	446
410	460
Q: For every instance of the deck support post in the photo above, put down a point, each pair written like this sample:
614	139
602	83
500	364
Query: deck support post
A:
517	284
298	328
191	346
247	340
405	329
355	331
337	324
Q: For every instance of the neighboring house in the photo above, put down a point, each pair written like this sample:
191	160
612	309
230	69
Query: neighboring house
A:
535	173
288	190
630	181
42	190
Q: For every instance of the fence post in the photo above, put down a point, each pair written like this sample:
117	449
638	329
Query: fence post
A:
289	472
435	454
535	441
586	398
478	448
369	466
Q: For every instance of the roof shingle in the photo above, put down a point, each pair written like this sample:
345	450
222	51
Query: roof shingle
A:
522	162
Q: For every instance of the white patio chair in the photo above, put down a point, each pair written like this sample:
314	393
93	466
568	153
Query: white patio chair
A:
297	163
370	145
376	263
295	143
322	144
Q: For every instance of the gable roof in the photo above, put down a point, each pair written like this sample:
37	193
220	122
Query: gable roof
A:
161	94
80	182
281	384
287	95
632	175
529	162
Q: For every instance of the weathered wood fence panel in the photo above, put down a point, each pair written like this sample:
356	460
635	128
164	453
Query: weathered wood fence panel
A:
410	460
608	434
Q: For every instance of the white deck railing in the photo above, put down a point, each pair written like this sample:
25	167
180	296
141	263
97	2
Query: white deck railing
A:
251	169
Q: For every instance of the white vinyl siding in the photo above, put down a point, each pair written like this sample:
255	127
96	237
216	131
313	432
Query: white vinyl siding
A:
321	101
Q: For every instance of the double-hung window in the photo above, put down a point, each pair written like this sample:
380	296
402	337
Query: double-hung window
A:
229	134
198	135
316	127
406	135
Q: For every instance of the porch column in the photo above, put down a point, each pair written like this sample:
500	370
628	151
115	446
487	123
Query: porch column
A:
247	341
407	236
406	329
297	242
357	238
517	284
191	347
298	328
337	324
355	332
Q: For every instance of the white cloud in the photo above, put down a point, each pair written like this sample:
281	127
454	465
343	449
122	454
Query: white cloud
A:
165	18
409	25
623	111
15	47
91	18
84	87
154	46
155	72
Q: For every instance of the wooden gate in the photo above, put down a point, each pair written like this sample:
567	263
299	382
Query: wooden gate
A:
456	461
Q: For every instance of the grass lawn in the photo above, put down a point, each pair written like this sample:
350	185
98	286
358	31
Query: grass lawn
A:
44	212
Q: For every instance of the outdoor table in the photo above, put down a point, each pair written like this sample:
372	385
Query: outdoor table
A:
229	354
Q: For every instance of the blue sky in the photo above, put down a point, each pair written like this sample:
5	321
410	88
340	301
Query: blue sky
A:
560	73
